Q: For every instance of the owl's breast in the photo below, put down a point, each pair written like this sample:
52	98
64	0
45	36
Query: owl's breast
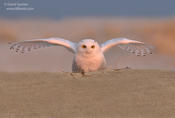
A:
90	63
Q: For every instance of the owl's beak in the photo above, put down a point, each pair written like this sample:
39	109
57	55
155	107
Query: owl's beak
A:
88	52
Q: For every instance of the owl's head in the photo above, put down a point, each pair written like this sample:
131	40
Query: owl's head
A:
88	46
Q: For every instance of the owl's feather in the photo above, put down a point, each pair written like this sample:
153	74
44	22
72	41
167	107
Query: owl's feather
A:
28	45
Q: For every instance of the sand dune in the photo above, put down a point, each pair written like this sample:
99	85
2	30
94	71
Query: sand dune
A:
107	94
104	94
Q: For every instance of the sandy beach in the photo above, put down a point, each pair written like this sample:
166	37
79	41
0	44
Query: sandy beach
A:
40	84
106	94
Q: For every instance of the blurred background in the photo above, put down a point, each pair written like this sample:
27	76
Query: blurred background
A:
150	21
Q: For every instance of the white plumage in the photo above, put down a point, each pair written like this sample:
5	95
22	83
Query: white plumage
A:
88	54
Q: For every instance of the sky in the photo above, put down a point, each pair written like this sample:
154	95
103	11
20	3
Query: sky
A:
57	9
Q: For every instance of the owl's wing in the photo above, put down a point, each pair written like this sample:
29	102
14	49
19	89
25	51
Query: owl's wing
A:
28	45
133	46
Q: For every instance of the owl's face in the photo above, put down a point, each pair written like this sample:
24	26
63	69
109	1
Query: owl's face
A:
88	47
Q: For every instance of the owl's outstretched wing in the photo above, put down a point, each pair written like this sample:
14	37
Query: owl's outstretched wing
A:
28	45
133	46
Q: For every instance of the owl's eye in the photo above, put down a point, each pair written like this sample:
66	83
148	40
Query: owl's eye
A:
93	46
83	46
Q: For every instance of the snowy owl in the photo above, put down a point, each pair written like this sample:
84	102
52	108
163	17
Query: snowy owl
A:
88	54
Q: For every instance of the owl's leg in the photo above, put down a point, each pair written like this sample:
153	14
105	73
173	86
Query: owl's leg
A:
83	73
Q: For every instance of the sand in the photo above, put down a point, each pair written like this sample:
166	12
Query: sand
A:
147	90
106	94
